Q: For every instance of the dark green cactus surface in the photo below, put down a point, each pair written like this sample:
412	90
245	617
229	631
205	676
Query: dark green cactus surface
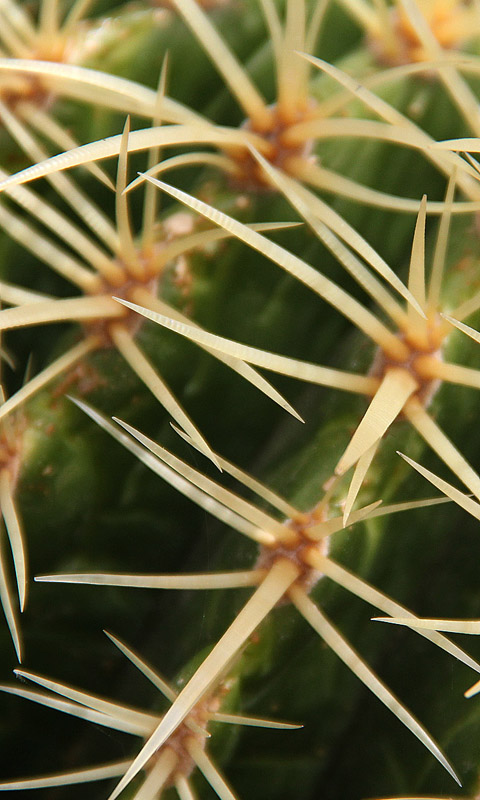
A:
301	285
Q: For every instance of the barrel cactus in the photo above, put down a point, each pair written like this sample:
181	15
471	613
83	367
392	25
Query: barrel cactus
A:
192	193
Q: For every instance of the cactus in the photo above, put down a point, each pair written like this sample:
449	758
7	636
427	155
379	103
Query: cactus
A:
336	142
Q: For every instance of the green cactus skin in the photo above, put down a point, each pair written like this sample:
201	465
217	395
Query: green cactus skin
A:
87	506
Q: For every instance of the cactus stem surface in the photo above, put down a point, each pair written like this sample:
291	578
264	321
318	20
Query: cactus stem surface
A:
172	763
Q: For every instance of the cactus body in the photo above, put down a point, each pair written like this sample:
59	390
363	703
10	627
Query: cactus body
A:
213	578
